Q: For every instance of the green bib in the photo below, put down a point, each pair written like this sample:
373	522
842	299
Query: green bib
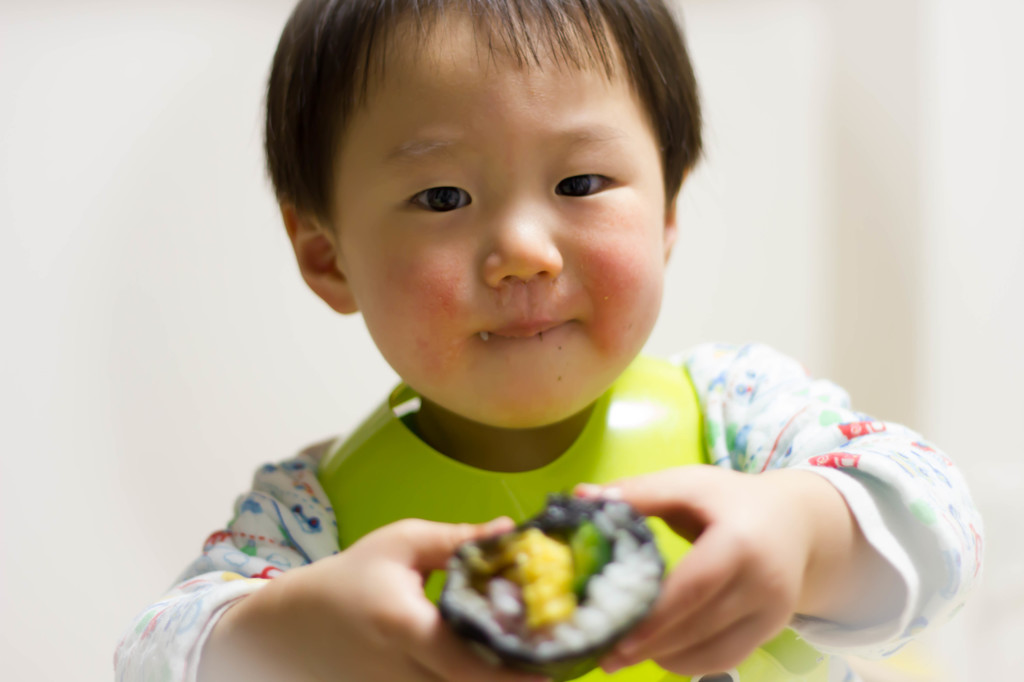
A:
647	421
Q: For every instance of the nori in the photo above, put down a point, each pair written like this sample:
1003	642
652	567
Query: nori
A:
560	518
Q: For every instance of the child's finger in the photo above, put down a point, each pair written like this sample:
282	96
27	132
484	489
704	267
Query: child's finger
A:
717	616
674	495
420	673
656	489
722	650
682	658
698	581
426	545
443	654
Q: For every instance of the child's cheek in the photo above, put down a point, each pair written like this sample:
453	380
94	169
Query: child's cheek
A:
429	301
440	283
626	285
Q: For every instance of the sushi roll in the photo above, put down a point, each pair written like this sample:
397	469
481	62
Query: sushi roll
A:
555	594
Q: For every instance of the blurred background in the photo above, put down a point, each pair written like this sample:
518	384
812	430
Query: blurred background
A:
858	208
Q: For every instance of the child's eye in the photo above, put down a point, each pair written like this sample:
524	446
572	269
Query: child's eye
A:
581	185
442	199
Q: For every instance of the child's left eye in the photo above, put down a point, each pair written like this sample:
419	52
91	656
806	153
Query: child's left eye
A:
441	199
582	185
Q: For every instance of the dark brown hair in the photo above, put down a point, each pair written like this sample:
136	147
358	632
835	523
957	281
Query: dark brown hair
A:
329	50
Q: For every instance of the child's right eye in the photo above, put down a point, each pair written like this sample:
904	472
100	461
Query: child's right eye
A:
442	199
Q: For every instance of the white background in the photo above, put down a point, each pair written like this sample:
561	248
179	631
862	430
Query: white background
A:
859	208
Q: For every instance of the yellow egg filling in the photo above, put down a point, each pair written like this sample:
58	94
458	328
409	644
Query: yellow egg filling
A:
543	567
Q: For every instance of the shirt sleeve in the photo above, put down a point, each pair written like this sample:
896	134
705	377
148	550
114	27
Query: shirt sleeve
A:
763	411
283	522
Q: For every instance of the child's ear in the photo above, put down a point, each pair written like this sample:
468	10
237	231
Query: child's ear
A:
671	218
316	252
671	227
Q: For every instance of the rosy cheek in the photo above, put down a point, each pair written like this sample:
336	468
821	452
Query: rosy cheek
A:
417	289
428	302
440	300
436	291
625	284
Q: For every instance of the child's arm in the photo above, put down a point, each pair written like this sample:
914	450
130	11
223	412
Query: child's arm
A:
891	546
284	523
358	615
280	524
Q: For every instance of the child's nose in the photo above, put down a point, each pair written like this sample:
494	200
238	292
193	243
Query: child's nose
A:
522	249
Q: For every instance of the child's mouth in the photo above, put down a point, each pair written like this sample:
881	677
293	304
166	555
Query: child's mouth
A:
527	330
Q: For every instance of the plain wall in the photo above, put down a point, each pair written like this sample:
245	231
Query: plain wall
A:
856	208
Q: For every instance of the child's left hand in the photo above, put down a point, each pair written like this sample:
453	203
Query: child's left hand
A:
764	547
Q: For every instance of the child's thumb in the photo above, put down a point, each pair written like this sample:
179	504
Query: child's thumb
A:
429	545
649	494
671	494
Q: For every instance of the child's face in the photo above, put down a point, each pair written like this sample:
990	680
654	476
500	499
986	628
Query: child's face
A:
503	230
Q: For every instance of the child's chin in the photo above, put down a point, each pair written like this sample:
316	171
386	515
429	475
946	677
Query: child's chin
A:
531	413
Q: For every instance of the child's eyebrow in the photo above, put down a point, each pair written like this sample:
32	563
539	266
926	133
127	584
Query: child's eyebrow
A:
591	134
583	135
418	149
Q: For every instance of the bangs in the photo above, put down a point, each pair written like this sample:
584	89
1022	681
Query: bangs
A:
529	33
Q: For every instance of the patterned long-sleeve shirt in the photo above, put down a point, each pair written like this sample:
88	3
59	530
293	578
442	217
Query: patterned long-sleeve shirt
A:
761	411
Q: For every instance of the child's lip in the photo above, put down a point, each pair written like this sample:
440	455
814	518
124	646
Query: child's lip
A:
525	329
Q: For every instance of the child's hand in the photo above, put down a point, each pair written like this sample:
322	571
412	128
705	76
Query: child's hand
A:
360	615
765	546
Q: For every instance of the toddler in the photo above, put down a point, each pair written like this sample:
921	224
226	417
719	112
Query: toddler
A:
492	185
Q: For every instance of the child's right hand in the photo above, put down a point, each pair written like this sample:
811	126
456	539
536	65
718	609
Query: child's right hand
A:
359	615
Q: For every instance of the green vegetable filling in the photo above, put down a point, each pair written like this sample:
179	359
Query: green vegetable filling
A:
591	551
